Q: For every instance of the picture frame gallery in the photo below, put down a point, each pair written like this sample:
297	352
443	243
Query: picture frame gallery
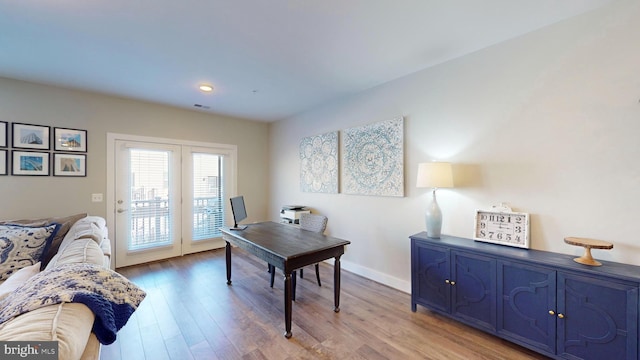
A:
37	151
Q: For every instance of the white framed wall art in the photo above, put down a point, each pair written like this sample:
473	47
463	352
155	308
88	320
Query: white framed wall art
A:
373	159
319	163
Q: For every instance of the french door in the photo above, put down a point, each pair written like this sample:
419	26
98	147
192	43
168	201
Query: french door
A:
203	194
168	197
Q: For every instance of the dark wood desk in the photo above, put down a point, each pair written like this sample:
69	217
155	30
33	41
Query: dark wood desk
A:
288	248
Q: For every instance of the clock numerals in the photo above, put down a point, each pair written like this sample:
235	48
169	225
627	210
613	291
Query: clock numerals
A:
496	218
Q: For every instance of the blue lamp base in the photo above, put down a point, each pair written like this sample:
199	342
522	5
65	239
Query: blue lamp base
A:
433	218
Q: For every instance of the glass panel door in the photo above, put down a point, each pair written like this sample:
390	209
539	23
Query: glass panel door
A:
207	199
147	202
204	201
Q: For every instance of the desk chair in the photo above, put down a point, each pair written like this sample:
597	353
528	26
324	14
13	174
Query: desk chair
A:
309	222
315	223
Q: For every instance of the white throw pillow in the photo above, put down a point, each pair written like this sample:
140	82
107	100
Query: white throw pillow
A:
18	278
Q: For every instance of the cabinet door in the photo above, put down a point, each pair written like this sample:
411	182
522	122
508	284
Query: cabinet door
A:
527	306
473	289
431	270
597	318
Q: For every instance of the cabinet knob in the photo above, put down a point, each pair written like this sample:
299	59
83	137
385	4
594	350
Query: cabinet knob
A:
447	281
551	312
453	283
560	316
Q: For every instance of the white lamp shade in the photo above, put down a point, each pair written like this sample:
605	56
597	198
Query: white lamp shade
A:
435	175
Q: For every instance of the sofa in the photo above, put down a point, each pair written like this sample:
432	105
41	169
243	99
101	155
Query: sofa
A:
73	244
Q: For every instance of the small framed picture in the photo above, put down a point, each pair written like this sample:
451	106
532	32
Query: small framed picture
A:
3	162
30	163
69	164
27	136
70	139
3	133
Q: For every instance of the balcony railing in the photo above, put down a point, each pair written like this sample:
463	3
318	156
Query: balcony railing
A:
151	222
208	217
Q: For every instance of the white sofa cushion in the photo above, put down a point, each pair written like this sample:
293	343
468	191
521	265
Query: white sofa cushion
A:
86	242
18	278
78	251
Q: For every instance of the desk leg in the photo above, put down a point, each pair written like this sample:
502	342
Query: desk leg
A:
287	305
294	278
228	251
336	284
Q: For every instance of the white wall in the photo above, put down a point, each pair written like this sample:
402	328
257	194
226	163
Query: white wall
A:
548	122
35	196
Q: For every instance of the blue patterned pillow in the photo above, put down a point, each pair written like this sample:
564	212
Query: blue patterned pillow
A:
21	246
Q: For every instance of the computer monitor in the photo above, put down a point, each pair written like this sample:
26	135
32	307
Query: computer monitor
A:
239	212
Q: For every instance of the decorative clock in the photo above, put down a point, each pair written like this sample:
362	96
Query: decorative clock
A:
502	226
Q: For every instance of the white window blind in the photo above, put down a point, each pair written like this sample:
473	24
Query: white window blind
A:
149	219
208	195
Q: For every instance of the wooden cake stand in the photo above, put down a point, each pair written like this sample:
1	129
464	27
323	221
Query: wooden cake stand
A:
588	244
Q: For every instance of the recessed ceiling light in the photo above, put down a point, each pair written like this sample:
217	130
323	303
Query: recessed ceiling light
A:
206	88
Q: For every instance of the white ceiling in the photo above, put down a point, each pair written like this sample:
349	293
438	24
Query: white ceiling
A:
268	59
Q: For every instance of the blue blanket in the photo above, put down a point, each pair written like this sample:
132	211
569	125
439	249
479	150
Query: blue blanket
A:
111	296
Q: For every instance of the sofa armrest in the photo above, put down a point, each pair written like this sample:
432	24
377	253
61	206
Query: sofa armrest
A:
68	323
76	245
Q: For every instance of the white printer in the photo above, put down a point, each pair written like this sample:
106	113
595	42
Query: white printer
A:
291	213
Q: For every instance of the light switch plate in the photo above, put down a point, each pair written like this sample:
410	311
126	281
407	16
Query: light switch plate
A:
96	197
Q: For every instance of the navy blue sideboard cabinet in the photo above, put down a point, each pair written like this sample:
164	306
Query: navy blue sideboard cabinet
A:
541	300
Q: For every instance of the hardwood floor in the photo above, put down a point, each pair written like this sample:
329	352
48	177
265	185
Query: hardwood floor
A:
191	313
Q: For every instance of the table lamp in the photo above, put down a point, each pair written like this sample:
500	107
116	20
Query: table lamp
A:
434	175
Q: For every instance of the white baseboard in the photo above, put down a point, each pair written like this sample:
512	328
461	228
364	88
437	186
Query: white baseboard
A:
394	282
